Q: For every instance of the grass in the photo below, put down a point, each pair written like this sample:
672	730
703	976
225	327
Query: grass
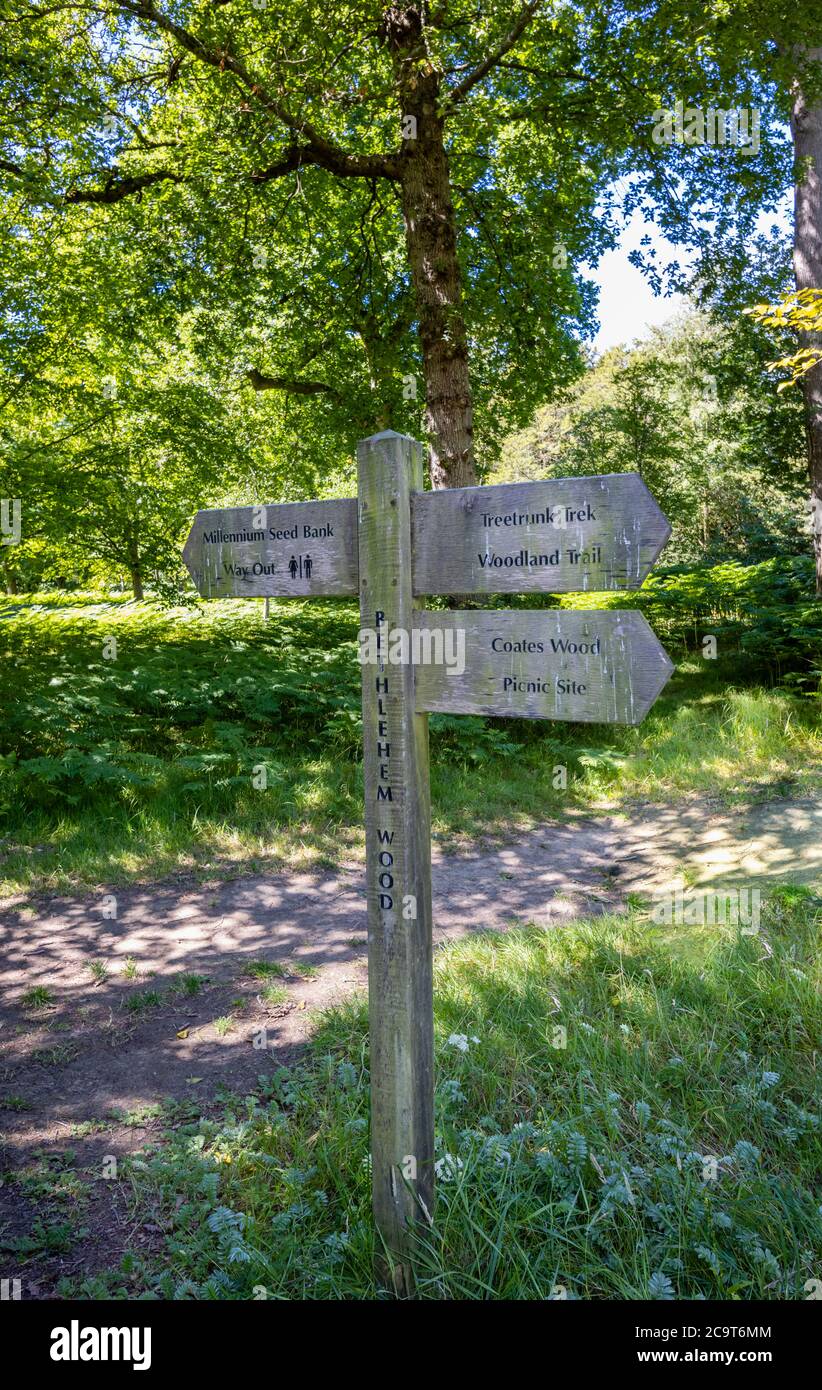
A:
188	984
144	1000
274	995
18	1103
38	997
115	771
265	970
55	1056
622	1111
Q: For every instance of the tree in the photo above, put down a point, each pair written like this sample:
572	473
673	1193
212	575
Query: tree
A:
113	460
691	409
780	42
441	168
801	312
806	126
117	419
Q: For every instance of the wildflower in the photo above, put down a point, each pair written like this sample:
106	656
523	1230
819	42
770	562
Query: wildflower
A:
709	1256
767	1258
577	1147
458	1040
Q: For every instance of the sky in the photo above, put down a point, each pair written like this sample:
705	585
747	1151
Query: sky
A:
628	306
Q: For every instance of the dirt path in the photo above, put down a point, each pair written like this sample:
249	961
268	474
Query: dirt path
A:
124	1042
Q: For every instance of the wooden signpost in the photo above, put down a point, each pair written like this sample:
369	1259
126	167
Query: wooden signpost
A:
392	543
293	549
602	668
559	535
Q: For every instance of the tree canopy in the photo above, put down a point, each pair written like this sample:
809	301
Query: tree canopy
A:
297	225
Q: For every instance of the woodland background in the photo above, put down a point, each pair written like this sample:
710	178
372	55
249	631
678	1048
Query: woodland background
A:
237	237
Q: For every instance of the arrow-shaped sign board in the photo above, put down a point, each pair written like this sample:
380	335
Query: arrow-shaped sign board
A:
294	549
559	535
592	667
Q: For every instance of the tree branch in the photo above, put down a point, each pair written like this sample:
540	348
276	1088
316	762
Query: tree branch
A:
344	166
114	189
324	152
458	93
282	383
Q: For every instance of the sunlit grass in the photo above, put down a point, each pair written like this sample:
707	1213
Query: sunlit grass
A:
621	1112
144	767
719	745
727	745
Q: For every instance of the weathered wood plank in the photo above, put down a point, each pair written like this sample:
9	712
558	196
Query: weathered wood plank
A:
290	549
398	863
559	535
598	667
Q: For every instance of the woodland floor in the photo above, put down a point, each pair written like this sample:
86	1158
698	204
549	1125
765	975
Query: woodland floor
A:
84	1074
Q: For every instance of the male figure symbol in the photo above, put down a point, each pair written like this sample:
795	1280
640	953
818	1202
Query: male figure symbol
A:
301	567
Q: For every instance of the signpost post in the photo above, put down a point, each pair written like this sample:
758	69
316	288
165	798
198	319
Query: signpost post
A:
398	860
393	542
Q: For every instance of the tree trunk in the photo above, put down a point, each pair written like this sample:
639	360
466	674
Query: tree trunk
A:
806	125
135	569
431	240
9	578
